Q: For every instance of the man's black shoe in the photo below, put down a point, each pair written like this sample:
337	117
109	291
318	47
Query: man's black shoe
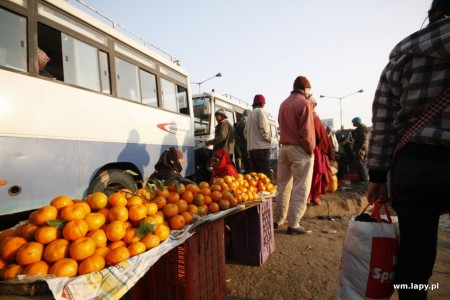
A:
299	230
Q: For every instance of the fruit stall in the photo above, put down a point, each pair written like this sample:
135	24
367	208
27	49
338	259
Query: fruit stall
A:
156	243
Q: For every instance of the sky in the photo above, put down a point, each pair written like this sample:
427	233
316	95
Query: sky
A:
261	46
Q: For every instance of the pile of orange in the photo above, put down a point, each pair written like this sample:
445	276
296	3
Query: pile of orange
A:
73	237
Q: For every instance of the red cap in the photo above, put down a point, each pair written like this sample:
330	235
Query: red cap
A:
259	99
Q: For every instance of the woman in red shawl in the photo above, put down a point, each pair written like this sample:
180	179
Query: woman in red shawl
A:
322	153
221	165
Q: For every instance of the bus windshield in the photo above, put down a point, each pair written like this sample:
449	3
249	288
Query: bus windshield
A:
202	120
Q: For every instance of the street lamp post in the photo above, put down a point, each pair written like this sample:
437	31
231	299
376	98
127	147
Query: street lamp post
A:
340	102
200	83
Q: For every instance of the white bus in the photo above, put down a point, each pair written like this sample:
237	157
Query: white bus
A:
205	106
112	105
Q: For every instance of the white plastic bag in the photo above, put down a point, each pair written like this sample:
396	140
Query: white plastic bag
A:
369	256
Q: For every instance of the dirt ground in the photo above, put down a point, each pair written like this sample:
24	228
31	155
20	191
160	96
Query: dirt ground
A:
307	266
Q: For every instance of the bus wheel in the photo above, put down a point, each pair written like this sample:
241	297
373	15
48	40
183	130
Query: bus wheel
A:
112	181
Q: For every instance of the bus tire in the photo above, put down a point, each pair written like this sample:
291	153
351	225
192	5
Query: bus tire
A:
112	181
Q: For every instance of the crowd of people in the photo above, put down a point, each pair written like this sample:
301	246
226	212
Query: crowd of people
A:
409	140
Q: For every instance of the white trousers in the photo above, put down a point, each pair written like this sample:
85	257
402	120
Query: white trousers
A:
294	176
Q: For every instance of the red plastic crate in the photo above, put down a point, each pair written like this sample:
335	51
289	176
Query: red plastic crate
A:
252	234
193	270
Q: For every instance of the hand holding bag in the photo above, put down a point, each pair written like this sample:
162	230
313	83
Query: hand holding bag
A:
369	255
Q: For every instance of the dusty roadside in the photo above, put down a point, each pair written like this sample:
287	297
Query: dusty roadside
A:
307	266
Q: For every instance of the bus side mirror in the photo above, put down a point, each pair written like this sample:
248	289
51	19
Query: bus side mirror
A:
207	108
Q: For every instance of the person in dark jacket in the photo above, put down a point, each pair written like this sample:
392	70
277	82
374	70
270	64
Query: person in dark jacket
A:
169	166
240	147
360	145
223	134
417	73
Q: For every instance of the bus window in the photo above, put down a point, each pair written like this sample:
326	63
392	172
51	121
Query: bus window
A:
80	63
49	41
183	100
13	37
104	72
169	95
148	88
127	80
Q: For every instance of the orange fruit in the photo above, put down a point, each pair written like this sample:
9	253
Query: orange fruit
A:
44	214
201	210
173	197
91	264
46	234
136	248
187	217
182	206
116	244
227	195
150	220
117	199
10	246
205	191
193	188
104	211
75	229
94	220
133	200
102	251
151	208
198	199
99	237
29	253
56	250
192	209
75	211
82	248
126	192
137	212
66	267
207	200
130	235
215	187
97	200
150	240
216	196
159	219
37	268
115	231
11	271
118	213
86	206
29	230
163	232
203	184
213	207
61	201
144	194
188	196
224	204
218	181
170	210
160	201
6	233
233	201
177	222
117	255
164	192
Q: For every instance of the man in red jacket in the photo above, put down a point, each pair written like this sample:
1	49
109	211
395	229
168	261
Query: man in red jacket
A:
296	157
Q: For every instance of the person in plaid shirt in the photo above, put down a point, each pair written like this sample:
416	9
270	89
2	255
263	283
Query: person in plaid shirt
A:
418	72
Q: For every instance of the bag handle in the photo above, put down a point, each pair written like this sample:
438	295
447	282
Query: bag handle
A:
376	210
